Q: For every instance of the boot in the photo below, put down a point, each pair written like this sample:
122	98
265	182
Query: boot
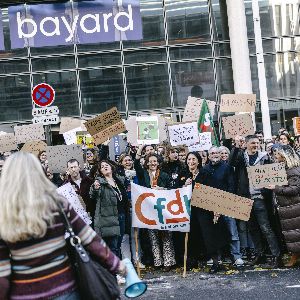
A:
258	260
293	261
276	262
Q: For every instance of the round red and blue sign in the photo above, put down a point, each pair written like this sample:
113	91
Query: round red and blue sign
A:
43	94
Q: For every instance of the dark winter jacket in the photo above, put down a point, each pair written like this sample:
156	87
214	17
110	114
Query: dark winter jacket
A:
176	171
288	198
219	176
144	177
240	161
106	220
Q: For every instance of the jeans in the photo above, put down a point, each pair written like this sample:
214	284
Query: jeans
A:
70	296
112	243
122	232
244	234
259	225
235	250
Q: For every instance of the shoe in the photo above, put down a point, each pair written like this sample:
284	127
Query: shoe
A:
121	280
293	261
239	262
140	265
244	253
209	262
251	254
215	268
167	269
276	262
258	260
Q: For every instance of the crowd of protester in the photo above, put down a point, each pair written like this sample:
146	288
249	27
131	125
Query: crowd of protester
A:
103	187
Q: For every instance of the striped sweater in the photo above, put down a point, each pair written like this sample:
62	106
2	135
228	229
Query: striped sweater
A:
40	268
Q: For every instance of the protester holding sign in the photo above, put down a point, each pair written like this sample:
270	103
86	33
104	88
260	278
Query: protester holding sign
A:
288	198
152	177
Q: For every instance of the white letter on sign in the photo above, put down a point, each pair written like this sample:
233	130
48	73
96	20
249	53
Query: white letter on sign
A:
21	23
70	29
97	23
128	16
55	21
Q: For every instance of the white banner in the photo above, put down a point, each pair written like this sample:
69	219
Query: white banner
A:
183	134
161	209
205	142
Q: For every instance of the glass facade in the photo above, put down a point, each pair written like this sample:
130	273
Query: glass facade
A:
184	51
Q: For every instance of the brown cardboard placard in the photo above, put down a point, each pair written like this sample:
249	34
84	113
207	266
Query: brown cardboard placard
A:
68	123
193	108
103	121
237	125
34	147
8	142
296	125
265	175
31	132
221	202
109	132
238	103
58	156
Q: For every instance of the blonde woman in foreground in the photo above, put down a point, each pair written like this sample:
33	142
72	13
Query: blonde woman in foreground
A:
33	256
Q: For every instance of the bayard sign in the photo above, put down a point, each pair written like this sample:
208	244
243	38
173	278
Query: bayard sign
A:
84	22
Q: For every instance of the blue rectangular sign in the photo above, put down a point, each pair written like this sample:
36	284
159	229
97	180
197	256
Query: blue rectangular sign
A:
1	33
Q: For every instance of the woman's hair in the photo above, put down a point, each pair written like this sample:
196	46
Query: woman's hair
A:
28	199
112	165
147	158
291	142
40	153
291	158
198	156
122	157
222	148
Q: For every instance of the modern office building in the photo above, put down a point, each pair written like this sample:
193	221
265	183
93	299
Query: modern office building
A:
202	48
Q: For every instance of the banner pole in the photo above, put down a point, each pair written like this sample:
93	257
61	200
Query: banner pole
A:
185	253
137	251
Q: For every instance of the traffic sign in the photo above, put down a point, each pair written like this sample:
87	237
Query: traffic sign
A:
46	120
43	94
45	111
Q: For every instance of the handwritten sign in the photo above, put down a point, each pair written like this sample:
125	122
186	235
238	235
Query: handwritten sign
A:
237	125
296	125
68	123
109	132
58	156
147	130
69	193
103	121
204	142
193	109
8	142
221	202
70	136
265	175
27	133
161	209
34	147
238	103
183	134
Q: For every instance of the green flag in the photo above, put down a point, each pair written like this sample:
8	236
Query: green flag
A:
205	123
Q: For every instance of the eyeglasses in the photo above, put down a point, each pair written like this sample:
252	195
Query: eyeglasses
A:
89	154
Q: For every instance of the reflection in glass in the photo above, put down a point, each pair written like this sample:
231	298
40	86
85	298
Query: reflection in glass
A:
192	79
225	76
15	98
148	87
190	52
66	94
14	66
143	56
188	21
100	59
101	90
220	20
53	63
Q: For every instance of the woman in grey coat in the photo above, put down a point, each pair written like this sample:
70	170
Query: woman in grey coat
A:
288	198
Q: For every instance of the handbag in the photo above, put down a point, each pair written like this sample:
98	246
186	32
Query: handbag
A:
94	282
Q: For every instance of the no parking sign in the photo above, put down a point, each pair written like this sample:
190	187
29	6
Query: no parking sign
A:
43	94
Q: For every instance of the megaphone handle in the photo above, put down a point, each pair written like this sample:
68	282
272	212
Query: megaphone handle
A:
137	251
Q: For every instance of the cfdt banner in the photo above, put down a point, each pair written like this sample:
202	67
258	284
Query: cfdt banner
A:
85	22
1	33
161	209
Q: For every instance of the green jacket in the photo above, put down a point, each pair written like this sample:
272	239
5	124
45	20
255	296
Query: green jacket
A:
106	222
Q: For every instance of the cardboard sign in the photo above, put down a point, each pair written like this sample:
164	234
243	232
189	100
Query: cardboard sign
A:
58	156
221	202
27	133
69	193
34	147
296	125
183	134
67	124
161	209
109	132
193	109
70	136
237	125
8	142
238	103
204	142
103	121
147	130
265	175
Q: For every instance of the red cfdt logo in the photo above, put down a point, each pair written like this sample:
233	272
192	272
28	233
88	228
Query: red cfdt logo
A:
43	95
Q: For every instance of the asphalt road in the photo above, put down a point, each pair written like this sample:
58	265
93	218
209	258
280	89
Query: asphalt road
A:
244	284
